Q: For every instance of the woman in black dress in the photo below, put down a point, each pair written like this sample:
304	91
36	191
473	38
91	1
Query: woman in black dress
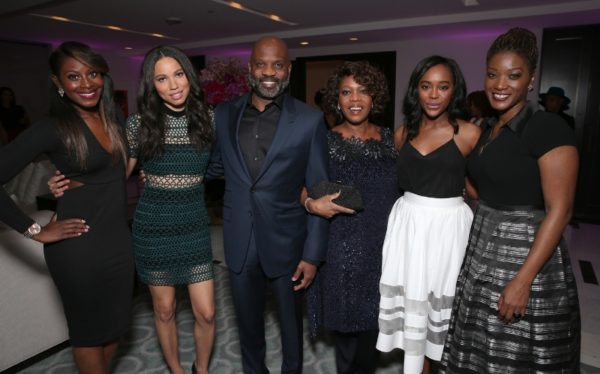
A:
344	298
88	246
516	308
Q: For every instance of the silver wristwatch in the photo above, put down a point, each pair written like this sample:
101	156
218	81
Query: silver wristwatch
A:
32	230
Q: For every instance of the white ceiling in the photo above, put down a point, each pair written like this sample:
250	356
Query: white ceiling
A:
207	25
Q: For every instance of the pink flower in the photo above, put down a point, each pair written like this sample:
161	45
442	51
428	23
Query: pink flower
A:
223	80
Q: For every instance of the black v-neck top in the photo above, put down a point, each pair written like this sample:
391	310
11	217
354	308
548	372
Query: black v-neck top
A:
505	169
44	138
440	173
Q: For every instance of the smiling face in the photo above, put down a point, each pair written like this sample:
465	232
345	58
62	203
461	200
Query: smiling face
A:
506	83
82	84
354	100
269	68
171	83
435	91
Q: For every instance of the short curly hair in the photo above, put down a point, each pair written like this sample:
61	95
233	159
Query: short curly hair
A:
365	74
517	40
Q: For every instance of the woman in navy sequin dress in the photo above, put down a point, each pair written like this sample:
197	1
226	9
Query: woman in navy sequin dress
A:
344	298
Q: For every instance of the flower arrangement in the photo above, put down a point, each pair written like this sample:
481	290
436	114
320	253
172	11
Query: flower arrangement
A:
223	80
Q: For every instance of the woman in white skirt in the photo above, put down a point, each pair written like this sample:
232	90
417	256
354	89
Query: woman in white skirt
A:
429	225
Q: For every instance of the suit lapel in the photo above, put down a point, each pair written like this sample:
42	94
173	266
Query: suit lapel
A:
284	130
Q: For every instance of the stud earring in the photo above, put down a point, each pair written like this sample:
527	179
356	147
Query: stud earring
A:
61	92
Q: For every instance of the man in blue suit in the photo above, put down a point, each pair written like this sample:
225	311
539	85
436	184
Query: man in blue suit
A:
268	147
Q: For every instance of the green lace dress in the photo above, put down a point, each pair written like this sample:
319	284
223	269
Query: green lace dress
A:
170	226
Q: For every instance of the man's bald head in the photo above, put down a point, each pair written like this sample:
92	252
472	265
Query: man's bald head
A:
271	43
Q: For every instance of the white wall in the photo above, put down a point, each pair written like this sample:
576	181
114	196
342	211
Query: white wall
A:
125	72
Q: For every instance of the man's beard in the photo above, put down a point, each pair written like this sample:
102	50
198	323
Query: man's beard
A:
268	93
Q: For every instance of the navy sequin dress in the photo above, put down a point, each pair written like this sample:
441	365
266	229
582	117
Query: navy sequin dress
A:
345	294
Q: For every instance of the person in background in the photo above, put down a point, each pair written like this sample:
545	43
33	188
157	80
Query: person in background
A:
329	115
87	246
268	147
170	137
344	299
478	107
429	225
555	101
13	117
516	307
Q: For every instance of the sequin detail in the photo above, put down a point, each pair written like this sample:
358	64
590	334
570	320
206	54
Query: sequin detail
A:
345	295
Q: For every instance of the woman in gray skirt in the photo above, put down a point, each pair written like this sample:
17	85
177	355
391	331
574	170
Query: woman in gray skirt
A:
516	308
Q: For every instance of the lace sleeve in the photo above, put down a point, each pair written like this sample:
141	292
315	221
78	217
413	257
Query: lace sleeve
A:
132	129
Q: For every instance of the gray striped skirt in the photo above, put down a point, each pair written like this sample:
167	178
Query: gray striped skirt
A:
547	338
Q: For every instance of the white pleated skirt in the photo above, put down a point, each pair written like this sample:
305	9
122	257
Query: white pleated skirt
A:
423	251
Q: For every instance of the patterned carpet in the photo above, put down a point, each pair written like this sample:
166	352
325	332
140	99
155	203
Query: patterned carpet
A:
140	353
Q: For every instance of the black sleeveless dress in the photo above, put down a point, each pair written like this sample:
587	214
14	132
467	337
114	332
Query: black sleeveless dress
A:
423	249
93	272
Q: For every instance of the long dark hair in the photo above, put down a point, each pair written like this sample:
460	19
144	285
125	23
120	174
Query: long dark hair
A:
412	108
69	119
153	111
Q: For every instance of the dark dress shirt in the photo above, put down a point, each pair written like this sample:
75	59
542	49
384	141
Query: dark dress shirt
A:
256	133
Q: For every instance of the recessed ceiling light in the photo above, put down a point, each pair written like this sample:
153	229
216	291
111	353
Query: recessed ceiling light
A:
304	43
353	39
57	18
128	48
243	8
109	27
470	2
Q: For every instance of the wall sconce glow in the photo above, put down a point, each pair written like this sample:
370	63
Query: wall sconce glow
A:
470	2
108	27
353	39
128	48
304	43
243	8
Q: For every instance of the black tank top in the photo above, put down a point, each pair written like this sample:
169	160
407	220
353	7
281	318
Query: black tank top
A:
441	173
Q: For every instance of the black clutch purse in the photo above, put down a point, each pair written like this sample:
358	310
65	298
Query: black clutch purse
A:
349	196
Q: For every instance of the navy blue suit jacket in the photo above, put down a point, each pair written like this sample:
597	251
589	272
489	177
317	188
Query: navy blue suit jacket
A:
270	205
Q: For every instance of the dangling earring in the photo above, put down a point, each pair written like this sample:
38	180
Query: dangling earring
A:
339	108
61	92
530	88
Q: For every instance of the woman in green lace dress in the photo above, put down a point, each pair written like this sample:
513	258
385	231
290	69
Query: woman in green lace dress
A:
170	137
